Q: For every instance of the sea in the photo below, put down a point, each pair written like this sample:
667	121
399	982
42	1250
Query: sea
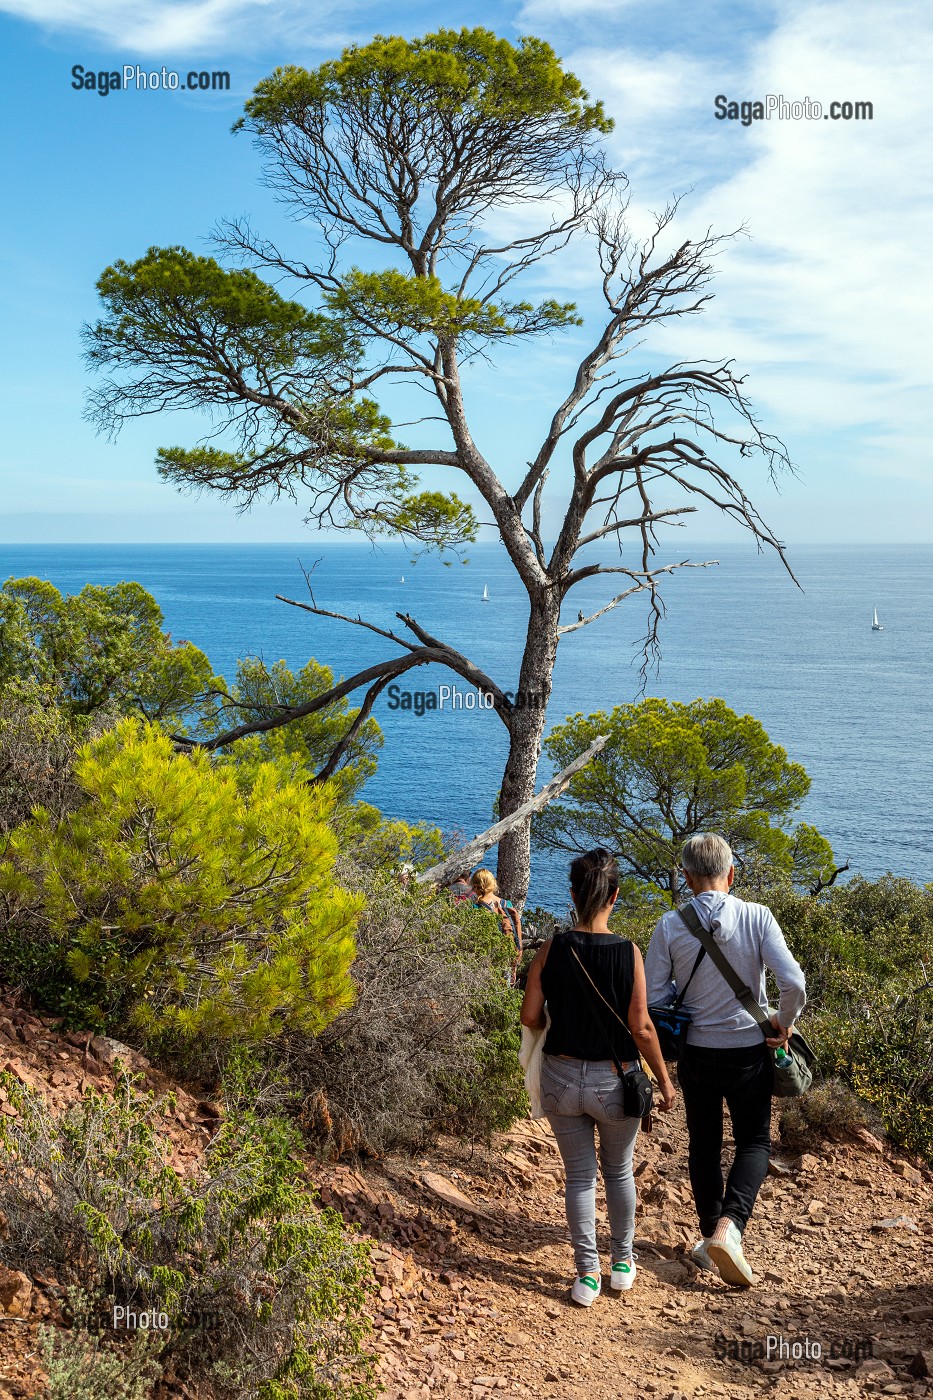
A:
853	705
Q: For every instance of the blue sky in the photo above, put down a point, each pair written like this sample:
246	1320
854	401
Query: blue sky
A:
826	303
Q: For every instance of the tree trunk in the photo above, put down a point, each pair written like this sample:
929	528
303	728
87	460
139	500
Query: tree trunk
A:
526	730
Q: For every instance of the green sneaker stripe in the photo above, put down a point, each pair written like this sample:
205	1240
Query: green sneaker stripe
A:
590	1281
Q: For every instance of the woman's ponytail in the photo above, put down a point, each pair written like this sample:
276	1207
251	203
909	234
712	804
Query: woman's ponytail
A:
594	879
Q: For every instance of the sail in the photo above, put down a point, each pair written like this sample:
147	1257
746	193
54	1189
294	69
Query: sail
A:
485	593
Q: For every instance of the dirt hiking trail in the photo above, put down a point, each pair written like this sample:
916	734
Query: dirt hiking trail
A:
473	1263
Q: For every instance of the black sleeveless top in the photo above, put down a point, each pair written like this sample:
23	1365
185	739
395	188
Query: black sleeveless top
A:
574	1029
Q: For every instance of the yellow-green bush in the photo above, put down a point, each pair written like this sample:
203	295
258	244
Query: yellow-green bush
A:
193	905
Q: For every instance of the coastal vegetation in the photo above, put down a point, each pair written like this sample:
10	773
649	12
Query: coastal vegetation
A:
240	919
669	770
235	914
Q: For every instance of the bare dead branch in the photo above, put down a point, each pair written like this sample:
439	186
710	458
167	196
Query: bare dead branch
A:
486	839
822	884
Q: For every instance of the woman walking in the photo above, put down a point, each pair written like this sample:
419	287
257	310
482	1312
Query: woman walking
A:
593	982
486	896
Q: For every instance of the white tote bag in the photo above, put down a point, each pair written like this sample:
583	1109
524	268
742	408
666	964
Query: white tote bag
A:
530	1057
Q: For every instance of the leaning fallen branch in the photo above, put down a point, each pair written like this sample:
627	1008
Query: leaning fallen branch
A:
480	844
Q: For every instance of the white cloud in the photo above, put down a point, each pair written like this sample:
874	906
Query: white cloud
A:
200	26
828	303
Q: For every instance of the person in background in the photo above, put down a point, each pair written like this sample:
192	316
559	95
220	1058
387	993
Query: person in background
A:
461	890
580	1088
725	1057
486	896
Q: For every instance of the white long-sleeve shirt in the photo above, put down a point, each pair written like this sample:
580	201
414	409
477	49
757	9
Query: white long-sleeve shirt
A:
751	938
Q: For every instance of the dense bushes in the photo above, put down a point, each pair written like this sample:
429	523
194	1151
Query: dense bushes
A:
38	744
187	904
431	1040
191	905
98	651
866	948
263	1291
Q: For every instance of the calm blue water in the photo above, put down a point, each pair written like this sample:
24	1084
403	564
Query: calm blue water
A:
853	706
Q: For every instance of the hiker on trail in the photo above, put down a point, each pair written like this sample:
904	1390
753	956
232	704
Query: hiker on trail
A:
486	896
461	890
581	1090
725	1056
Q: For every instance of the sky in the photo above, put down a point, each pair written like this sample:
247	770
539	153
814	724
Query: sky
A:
824	301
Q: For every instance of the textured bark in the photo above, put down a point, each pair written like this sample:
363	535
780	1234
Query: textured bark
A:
526	729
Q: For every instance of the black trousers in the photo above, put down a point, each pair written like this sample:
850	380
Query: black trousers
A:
743	1078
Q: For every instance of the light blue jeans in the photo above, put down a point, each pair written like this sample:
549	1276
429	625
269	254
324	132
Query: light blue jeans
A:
581	1098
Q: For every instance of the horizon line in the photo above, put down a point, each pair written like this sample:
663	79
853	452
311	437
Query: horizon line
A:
396	544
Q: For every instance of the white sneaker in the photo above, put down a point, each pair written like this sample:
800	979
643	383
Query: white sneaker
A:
622	1275
585	1290
700	1257
727	1255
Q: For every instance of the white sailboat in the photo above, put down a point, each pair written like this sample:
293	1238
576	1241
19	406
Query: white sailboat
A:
402	579
875	624
485	597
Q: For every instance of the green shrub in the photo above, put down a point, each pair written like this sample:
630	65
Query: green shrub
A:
192	905
866	949
830	1112
263	1290
431	1041
79	1366
369	841
854	937
886	1054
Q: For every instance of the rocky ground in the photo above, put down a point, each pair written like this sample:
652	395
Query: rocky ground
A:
473	1266
475	1269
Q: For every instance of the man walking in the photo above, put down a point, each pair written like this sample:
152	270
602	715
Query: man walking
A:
725	1057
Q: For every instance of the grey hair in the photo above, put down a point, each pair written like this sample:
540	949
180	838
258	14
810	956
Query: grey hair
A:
707	854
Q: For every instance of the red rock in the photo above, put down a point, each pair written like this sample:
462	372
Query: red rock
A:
15	1292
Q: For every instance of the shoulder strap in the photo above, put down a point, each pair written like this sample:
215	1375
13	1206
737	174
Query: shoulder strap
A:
690	917
678	1001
